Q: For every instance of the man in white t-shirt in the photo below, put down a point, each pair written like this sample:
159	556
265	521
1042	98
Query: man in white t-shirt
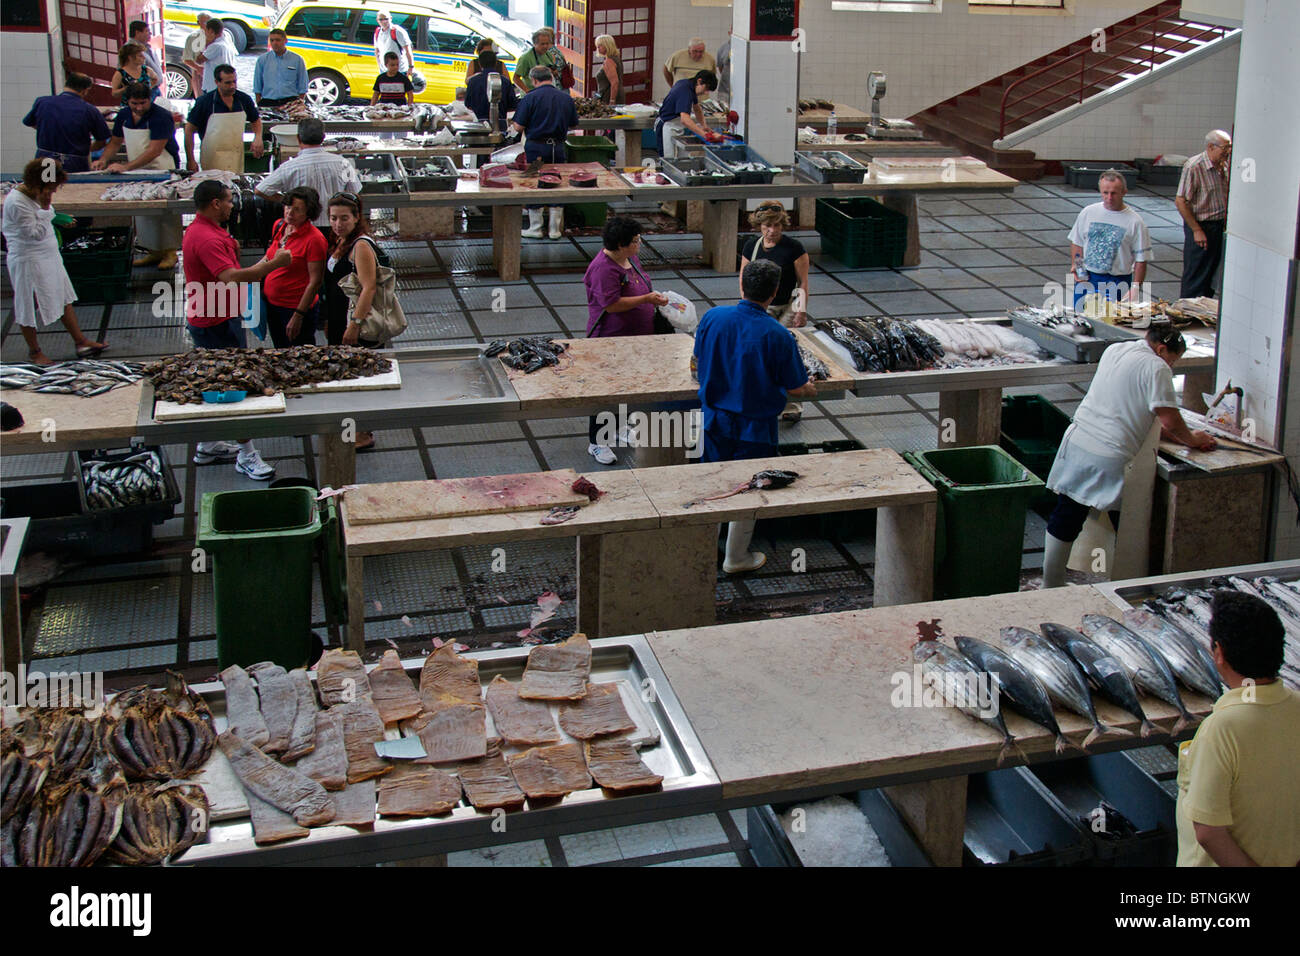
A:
393	39
218	51
1133	387
1109	244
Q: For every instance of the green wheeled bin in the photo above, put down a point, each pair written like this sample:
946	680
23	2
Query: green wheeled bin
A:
261	544
979	535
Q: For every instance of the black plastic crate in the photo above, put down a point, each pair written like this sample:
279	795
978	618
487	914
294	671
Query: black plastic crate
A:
862	233
726	159
1086	175
156	511
379	163
851	171
1013	820
99	274
443	181
695	171
1155	175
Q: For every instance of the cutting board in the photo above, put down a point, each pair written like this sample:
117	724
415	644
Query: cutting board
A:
461	497
252	405
389	379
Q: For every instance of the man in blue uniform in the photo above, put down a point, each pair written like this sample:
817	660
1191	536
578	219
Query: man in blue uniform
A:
67	127
476	91
749	367
545	115
675	113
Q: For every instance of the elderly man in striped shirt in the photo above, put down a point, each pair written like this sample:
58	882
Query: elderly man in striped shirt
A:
327	173
1202	201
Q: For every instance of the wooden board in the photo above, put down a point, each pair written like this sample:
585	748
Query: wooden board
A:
1221	460
874	478
806	701
252	405
387	502
389	379
69	419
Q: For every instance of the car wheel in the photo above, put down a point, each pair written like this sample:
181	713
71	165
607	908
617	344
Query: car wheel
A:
239	36
176	83
325	88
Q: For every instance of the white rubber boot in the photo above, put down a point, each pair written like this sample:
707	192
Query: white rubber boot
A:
739	558
1055	555
534	230
557	222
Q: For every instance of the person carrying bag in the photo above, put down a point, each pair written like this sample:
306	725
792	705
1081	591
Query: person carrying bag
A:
385	320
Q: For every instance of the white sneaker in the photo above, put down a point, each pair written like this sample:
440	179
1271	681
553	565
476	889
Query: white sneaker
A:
602	454
206	452
251	464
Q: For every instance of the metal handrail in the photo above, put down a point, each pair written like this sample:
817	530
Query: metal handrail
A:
1082	57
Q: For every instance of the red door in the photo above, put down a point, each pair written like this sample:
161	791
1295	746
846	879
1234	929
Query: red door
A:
631	24
94	30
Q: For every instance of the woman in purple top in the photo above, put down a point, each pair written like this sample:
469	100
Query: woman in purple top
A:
619	300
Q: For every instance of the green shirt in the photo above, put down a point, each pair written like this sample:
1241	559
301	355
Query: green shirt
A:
553	58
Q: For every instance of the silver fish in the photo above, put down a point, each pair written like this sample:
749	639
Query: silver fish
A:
1185	656
1020	688
1102	670
1060	676
958	678
1144	665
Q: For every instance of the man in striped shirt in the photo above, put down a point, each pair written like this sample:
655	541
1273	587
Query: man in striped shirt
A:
327	173
1202	201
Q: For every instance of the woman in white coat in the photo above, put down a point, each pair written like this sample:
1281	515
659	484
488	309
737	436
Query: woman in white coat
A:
35	265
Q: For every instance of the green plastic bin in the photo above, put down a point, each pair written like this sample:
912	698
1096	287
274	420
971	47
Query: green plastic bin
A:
1032	429
590	148
261	544
980	527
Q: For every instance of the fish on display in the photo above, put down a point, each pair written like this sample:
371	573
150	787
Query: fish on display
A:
767	478
1018	686
1145	666
1185	656
1102	670
1059	675
951	670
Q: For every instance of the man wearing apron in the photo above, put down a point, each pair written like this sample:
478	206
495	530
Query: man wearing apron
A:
149	134
545	115
675	112
219	118
1133	387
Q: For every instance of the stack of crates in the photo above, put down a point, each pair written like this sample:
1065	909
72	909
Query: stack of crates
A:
99	274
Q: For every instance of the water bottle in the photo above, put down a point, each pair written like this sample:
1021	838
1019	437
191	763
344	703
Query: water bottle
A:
831	124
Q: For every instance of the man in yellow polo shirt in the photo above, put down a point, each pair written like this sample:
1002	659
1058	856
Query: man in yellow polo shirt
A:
1239	777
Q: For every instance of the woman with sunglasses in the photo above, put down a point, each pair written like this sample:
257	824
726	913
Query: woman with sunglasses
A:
1132	389
351	249
770	220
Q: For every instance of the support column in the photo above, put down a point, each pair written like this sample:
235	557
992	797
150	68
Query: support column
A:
904	572
356	604
653	581
936	813
507	224
976	416
338	461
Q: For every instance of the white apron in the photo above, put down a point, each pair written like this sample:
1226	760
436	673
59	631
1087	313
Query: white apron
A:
31	264
673	131
153	232
1127	553
223	142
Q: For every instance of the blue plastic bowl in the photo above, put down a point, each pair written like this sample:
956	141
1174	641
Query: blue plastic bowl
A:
216	398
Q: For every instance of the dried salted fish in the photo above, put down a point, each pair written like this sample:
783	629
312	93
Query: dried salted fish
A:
557	671
488	781
327	763
519	721
158	824
277	784
302	736
243	712
279	704
447	678
341	677
601	711
354	806
452	732
416	791
615	765
394	695
270	823
547	772
361	728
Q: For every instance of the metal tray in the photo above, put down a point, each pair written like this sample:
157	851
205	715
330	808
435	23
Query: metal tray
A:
1086	350
694	171
852	172
689	780
380	163
441	182
1126	594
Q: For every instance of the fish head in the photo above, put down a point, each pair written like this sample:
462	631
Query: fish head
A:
924	650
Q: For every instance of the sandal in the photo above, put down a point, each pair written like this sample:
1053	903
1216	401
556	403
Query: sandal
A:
36	358
91	350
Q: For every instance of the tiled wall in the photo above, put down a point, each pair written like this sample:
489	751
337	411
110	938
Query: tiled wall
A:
26	59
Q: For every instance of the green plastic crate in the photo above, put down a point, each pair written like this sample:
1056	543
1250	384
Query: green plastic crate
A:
980	527
861	233
590	148
261	545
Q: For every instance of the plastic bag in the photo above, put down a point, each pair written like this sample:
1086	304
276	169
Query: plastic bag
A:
680	313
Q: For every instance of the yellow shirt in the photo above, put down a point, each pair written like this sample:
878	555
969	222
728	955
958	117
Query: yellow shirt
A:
681	66
1242	771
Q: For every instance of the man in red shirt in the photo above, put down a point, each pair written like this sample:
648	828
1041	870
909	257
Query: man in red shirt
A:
214	302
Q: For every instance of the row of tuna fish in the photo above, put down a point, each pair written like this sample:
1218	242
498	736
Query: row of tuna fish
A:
1034	673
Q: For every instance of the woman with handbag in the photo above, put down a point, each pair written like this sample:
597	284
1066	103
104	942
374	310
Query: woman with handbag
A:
289	294
361	306
619	301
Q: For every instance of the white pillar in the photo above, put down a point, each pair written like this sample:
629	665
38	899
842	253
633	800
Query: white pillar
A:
1257	341
764	88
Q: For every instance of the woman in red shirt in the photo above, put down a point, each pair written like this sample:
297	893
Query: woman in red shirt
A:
289	294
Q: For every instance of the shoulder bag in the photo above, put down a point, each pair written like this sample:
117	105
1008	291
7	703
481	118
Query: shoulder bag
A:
386	319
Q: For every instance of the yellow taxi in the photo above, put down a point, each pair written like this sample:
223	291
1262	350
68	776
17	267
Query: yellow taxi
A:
336	40
246	23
